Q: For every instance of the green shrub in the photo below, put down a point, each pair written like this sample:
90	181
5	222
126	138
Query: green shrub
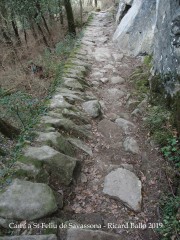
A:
19	108
172	151
148	60
161	137
156	118
170	222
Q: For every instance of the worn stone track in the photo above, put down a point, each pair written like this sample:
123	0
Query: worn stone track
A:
89	123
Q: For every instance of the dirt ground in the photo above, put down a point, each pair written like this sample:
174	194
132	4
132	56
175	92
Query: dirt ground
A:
86	202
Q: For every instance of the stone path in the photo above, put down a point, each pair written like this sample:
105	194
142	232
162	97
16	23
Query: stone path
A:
89	117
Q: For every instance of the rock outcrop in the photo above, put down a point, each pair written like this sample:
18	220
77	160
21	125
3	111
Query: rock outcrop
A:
152	27
135	32
167	37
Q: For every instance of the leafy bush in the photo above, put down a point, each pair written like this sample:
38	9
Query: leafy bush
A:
148	60
170	227
19	107
161	136
63	48
172	151
158	121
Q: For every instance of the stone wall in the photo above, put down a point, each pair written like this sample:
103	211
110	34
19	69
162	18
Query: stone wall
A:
167	37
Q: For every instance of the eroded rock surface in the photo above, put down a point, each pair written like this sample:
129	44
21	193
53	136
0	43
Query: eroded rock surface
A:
93	108
123	185
130	145
20	201
56	163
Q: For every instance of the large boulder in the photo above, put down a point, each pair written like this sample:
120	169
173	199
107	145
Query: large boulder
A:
152	27
56	163
93	108
135	32
167	42
123	185
24	200
124	6
55	139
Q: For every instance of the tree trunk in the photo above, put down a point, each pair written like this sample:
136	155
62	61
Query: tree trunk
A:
8	40
61	12
2	152
81	12
43	18
15	28
44	38
70	17
33	31
25	37
16	31
95	2
41	31
8	130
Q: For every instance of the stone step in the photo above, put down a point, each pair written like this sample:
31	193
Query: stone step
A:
67	125
56	140
24	200
53	162
92	108
124	124
79	144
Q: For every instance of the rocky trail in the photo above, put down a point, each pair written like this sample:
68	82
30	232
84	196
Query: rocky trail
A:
116	176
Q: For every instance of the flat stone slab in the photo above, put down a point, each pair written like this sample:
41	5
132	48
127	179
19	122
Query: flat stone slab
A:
54	122
58	101
24	200
56	140
62	91
118	56
104	80
31	237
123	185
102	54
115	93
82	234
97	74
93	108
70	96
74	84
55	162
131	145
111	132
118	79
79	144
76	115
125	124
109	66
77	62
67	125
